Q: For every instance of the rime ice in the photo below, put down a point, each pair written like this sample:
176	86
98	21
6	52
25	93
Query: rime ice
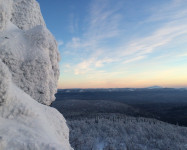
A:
28	79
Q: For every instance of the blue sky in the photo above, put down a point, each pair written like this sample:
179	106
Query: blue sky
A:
123	43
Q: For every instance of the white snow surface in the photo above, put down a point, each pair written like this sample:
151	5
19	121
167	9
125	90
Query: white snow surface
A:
28	81
28	125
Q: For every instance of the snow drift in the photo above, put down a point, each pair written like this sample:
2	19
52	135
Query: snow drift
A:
28	79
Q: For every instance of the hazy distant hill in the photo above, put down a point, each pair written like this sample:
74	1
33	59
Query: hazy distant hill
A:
86	107
127	95
154	87
101	119
166	104
117	89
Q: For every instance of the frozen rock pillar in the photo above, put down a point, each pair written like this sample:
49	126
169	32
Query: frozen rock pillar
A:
29	73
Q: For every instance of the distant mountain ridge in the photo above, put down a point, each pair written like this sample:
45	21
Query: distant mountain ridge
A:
154	87
80	90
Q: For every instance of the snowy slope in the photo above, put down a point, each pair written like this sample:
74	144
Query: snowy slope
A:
28	79
120	132
27	124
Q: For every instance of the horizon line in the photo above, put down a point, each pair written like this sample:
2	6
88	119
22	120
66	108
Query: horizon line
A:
126	88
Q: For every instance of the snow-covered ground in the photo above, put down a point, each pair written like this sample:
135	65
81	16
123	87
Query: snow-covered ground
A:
27	124
120	132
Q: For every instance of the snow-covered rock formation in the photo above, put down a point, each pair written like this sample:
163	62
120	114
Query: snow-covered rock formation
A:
28	79
28	49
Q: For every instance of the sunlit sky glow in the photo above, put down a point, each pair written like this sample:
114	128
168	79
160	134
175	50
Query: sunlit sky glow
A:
123	43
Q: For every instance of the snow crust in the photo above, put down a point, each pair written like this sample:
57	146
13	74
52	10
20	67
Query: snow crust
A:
28	81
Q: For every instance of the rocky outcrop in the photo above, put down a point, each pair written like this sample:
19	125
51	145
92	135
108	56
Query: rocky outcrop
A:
28	80
30	54
26	14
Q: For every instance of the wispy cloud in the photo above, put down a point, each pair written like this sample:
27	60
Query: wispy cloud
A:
90	65
73	23
102	23
174	10
104	40
83	67
104	20
60	43
159	38
174	27
134	59
182	55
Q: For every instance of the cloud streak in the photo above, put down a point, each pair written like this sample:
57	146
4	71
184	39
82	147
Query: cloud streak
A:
104	41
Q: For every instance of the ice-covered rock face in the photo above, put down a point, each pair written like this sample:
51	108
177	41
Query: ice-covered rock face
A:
28	76
5	13
5	79
26	14
26	124
28	49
